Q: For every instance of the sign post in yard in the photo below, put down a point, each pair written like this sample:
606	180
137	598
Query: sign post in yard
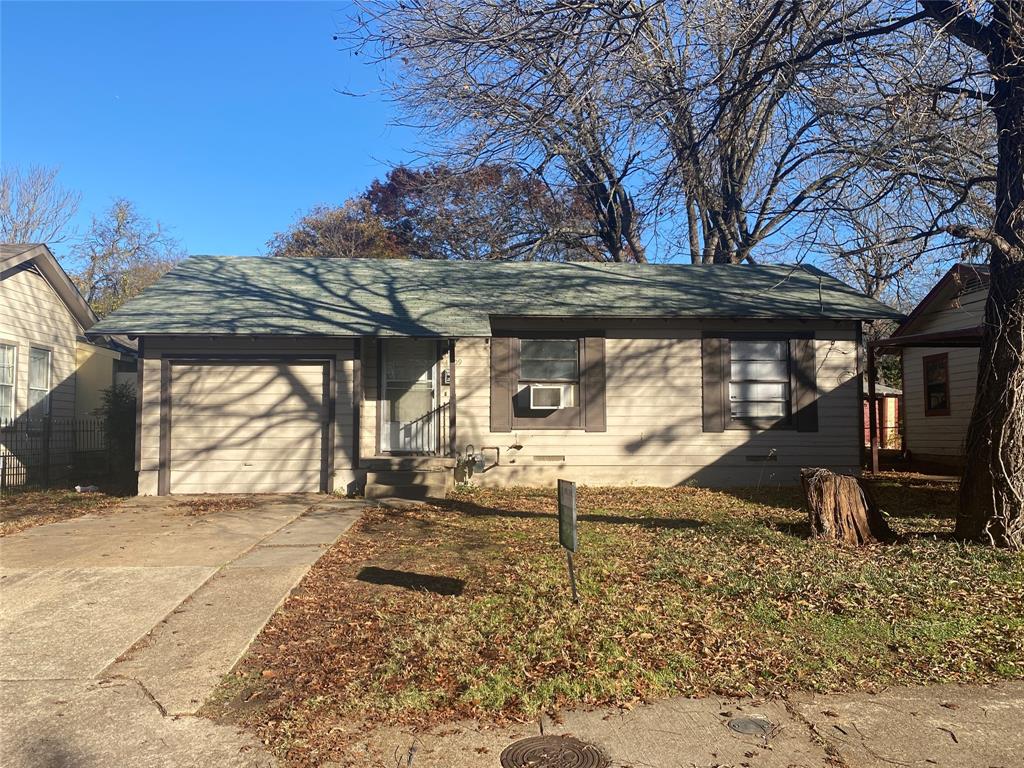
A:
567	528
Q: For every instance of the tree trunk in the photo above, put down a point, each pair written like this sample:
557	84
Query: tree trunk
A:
992	487
841	509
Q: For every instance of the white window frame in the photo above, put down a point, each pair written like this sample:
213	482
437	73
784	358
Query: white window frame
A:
8	417
48	390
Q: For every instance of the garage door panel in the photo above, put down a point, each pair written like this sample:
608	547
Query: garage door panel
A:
243	414
246	428
214	377
225	398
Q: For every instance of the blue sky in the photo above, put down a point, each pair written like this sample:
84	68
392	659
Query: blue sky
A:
221	120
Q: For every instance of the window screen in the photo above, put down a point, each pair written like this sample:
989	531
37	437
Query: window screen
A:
7	369
759	380
549	360
39	381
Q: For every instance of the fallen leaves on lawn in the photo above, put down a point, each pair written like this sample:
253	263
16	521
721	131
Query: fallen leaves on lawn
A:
23	509
683	591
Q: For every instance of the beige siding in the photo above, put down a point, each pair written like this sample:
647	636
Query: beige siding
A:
654	433
942	437
94	373
939	436
31	314
259	432
951	314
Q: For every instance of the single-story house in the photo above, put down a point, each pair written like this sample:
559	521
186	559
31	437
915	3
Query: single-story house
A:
262	374
939	342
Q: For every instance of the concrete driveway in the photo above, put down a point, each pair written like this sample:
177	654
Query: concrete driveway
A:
112	627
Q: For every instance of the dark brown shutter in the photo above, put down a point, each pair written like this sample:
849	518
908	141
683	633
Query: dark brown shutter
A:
503	378
593	380
714	353
804	385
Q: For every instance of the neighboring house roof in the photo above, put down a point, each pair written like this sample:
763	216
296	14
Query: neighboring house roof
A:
960	279
14	256
342	297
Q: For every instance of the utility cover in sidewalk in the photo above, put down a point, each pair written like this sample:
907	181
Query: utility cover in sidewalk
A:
552	752
752	726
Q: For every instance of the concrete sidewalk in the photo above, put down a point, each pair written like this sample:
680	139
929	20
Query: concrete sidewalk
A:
941	726
111	627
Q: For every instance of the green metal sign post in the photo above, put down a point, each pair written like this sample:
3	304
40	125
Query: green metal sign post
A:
567	528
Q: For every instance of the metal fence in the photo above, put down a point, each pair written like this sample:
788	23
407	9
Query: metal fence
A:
53	453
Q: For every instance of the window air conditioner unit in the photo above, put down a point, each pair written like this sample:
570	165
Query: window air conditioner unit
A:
547	397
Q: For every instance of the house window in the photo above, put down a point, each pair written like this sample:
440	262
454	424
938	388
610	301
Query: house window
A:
549	360
39	364
936	385
8	369
549	373
759	382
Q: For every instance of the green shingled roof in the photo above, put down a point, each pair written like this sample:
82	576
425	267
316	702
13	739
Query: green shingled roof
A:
342	297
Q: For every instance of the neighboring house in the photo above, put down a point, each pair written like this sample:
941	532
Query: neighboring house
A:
939	341
322	374
47	365
887	417
50	373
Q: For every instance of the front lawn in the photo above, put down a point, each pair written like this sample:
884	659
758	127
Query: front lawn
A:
463	610
22	509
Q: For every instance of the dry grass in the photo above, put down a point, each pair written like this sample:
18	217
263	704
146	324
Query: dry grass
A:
20	510
464	611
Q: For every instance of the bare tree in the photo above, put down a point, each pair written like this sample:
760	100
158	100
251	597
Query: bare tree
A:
34	207
502	83
122	254
992	488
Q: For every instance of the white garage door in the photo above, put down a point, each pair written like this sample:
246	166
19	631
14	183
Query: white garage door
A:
246	427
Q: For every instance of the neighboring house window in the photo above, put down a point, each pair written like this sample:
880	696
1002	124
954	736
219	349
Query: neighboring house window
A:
759	382
936	385
8	369
39	364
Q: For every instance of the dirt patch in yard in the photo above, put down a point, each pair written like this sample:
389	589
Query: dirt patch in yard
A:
433	614
20	510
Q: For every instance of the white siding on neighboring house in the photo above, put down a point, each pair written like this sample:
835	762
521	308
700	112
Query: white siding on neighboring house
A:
33	315
654	430
941	438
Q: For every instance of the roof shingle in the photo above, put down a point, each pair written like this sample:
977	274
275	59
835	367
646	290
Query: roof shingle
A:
341	297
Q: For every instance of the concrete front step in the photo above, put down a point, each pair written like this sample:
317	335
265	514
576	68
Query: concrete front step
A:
439	477
378	491
407	463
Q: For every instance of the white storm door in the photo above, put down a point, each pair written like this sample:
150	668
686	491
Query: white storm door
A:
409	406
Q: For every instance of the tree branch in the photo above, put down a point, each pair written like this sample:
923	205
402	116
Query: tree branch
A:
960	25
966	232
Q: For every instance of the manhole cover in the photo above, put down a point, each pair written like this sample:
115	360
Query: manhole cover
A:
552	752
752	726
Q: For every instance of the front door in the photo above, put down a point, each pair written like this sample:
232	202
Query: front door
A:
409	408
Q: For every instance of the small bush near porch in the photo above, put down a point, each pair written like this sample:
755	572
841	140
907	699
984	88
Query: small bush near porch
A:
462	610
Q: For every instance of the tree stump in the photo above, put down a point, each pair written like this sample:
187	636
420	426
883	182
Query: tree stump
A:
841	509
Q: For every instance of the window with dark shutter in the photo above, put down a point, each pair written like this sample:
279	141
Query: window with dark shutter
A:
754	381
548	382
